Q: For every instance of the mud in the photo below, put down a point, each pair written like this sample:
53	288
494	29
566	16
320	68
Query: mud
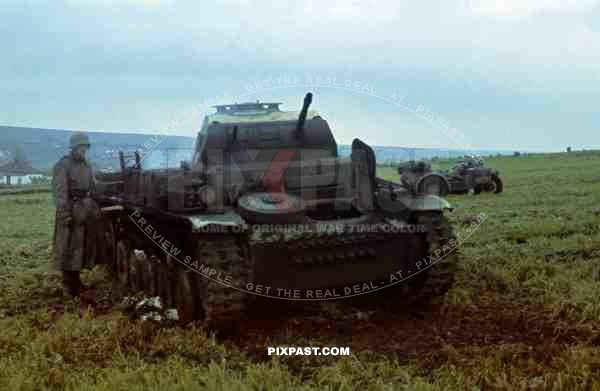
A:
405	329
398	324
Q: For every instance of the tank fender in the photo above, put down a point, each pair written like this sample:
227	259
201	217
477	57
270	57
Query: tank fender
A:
427	202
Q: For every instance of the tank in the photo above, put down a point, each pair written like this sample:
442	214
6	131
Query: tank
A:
466	175
266	207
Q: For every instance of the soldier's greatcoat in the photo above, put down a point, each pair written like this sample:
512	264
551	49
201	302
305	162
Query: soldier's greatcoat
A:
71	181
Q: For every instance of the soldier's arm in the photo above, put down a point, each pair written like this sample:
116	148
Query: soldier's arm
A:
60	191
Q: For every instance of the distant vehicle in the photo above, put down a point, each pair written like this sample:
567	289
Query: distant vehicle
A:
463	177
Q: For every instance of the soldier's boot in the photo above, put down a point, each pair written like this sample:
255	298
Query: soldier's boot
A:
70	287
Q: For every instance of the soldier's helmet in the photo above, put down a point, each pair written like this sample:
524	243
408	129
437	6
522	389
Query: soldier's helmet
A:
79	138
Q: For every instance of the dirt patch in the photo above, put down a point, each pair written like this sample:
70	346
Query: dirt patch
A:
384	323
409	329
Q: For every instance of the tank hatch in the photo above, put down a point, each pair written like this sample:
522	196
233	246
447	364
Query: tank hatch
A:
249	108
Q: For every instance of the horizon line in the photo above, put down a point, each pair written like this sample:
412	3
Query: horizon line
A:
149	133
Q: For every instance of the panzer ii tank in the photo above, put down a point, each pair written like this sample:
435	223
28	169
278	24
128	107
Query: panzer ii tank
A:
266	207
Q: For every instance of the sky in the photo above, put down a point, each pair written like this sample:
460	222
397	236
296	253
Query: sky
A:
516	74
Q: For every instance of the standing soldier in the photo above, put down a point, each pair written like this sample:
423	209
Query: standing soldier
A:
72	185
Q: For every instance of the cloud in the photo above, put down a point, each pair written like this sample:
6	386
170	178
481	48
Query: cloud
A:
142	60
314	33
526	8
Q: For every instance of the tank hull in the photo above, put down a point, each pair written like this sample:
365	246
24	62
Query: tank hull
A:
267	209
212	272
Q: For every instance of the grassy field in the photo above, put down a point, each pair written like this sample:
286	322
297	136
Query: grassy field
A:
24	189
524	311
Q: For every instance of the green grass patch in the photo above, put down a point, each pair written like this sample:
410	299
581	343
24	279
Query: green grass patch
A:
524	312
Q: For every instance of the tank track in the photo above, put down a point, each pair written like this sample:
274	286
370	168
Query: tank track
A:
196	297
219	306
439	277
223	304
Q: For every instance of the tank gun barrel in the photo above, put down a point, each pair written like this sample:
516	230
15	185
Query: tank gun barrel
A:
303	113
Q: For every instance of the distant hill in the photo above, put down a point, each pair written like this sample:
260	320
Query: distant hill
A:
43	147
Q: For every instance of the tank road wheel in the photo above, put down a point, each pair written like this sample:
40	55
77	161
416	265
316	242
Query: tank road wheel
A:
148	277
169	281
433	185
122	265
187	299
110	239
164	282
134	272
